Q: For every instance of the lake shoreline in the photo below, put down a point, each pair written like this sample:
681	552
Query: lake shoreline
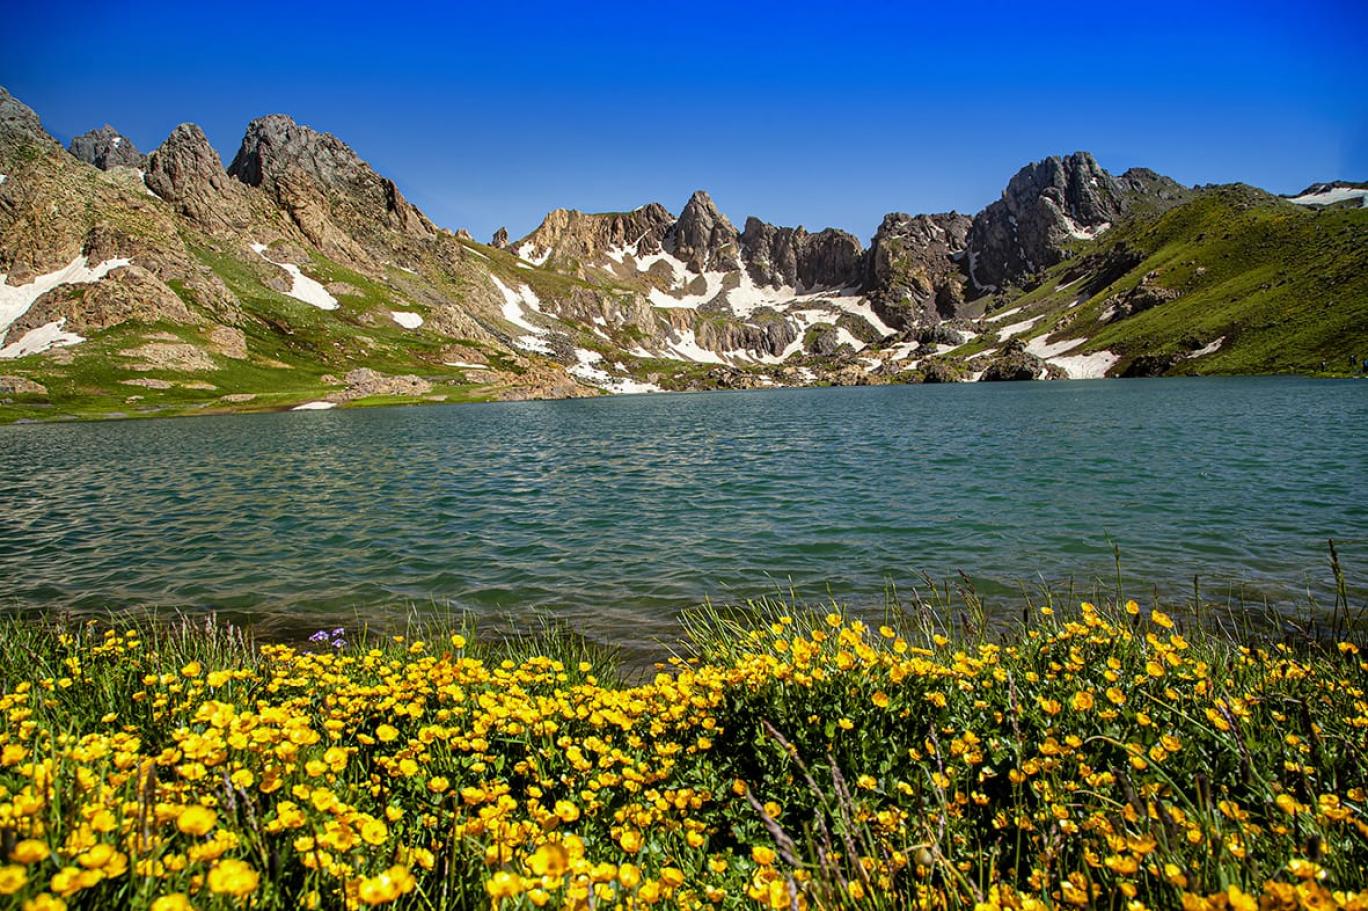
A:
299	404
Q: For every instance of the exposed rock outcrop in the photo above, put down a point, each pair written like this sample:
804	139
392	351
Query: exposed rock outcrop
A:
340	203
569	235
500	239
20	126
703	237
767	337
130	293
187	172
107	148
1013	363
912	271
1045	205
791	257
364	381
1144	296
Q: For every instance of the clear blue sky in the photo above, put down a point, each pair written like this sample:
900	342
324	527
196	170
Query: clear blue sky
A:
814	114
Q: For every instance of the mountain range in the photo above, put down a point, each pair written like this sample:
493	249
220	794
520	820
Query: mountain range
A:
163	283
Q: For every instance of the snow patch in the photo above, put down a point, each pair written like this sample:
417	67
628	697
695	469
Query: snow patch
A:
1333	195
1046	350
302	288
35	341
1079	232
1007	332
1003	315
464	365
405	319
1092	366
973	262
526	251
586	370
315	406
1210	348
513	312
15	300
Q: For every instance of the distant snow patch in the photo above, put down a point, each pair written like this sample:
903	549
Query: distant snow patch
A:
49	335
1046	350
1210	348
526	252
2	178
405	319
1007	332
1003	315
513	312
1079	232
1092	366
1333	195
15	300
464	365
587	370
315	406
302	288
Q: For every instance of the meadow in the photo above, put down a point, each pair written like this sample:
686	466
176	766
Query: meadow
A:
1110	754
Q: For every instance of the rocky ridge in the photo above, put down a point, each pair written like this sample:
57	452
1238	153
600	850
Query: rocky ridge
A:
298	259
107	148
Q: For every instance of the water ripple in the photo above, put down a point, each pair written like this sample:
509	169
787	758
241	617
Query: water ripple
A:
617	513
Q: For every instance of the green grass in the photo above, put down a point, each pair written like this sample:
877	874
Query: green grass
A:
1115	755
1284	285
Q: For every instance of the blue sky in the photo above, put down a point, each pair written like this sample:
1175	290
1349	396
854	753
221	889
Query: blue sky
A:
813	114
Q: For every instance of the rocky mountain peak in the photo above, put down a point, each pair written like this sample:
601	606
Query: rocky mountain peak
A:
703	237
186	171
570	234
791	257
336	198
1045	204
19	125
500	239
107	148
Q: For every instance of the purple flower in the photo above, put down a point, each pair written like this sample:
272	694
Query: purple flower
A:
320	636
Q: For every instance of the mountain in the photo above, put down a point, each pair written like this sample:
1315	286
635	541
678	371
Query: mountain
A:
106	148
297	275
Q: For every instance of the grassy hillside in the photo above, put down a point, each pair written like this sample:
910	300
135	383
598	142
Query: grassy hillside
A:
1284	286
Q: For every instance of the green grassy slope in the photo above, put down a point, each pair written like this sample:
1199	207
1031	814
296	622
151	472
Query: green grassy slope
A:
1284	286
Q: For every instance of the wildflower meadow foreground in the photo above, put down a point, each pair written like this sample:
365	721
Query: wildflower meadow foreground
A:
1109	758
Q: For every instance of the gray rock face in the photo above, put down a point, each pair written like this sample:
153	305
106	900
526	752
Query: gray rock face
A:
187	172
19	125
568	234
769	337
1044	206
1147	295
1144	186
792	257
335	198
500	239
1013	364
703	237
912	271
107	148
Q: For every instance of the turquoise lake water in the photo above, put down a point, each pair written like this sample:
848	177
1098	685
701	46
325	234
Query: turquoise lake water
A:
617	513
